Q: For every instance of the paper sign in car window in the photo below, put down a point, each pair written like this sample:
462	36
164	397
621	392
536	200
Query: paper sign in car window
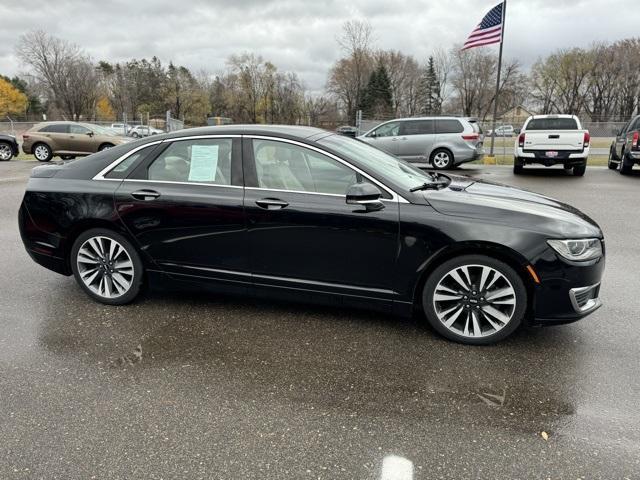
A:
204	163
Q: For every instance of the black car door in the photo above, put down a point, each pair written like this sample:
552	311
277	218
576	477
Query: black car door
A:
184	207
302	233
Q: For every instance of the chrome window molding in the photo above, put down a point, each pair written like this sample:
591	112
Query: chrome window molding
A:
394	196
179	183
311	193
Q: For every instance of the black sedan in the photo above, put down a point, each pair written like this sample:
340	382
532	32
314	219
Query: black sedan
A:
307	214
8	147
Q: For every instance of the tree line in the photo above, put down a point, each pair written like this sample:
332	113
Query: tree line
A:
599	83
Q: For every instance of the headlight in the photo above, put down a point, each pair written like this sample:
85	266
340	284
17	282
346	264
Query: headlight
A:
579	249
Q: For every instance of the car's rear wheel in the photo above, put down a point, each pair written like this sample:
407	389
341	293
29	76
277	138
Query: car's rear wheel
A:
42	152
6	151
474	299
442	159
106	266
517	166
611	163
625	167
578	170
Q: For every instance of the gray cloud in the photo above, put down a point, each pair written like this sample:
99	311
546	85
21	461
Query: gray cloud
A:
300	35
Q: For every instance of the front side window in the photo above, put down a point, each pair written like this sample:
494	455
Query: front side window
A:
390	129
198	161
58	128
284	166
78	129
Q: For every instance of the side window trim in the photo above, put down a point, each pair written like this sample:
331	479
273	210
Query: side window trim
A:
251	175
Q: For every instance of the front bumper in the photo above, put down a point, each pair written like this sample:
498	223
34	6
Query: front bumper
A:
568	291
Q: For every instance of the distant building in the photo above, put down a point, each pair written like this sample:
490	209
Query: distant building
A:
516	116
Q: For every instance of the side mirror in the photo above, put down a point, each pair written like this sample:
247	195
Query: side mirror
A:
516	131
373	134
365	194
90	134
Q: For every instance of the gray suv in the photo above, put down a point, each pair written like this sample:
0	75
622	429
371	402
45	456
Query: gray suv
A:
444	142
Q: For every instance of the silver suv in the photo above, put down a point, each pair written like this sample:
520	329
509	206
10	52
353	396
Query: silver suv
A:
442	141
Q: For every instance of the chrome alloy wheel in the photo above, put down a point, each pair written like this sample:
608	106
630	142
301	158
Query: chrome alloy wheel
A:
5	151
41	152
474	301
441	160
105	267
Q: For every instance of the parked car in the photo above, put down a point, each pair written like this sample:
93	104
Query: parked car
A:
551	140
8	147
302	213
444	142
348	131
120	128
625	149
67	140
503	131
140	131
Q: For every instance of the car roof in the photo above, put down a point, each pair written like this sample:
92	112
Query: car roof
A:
291	131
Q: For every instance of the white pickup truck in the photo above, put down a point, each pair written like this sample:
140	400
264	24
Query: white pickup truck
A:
552	140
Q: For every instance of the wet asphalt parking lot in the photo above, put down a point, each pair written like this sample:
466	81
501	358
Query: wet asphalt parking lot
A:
194	385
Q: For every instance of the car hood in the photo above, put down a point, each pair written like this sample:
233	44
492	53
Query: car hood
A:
512	206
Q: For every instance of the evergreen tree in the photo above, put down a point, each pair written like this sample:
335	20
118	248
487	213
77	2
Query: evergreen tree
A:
432	101
377	98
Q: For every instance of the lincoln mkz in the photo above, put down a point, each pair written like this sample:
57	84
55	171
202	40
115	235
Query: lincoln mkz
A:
311	215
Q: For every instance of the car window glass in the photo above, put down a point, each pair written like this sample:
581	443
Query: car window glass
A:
552	124
58	128
200	161
449	126
388	130
283	166
418	127
78	129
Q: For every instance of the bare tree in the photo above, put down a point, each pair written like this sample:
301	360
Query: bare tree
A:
68	75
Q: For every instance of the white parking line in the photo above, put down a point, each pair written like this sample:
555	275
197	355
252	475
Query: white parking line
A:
396	468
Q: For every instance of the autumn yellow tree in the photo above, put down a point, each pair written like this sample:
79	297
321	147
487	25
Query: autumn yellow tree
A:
104	109
12	100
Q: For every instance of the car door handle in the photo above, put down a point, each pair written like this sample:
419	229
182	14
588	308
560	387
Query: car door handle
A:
145	194
394	139
271	204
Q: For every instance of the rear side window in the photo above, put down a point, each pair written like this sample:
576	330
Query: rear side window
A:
59	128
552	124
417	127
449	126
199	161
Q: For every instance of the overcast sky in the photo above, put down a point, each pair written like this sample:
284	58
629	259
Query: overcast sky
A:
300	35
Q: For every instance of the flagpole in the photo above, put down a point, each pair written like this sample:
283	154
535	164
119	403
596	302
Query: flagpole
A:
495	100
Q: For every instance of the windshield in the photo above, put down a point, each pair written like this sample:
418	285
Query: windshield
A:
101	130
379	162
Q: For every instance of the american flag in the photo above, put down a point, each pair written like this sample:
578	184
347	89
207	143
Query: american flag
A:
488	31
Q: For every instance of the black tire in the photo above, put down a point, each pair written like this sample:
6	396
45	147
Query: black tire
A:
67	157
518	167
105	146
46	155
442	159
137	267
625	167
611	163
135	135
6	151
517	315
578	170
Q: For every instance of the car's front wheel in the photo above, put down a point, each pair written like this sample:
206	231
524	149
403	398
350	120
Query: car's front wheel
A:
474	299
107	266
105	146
